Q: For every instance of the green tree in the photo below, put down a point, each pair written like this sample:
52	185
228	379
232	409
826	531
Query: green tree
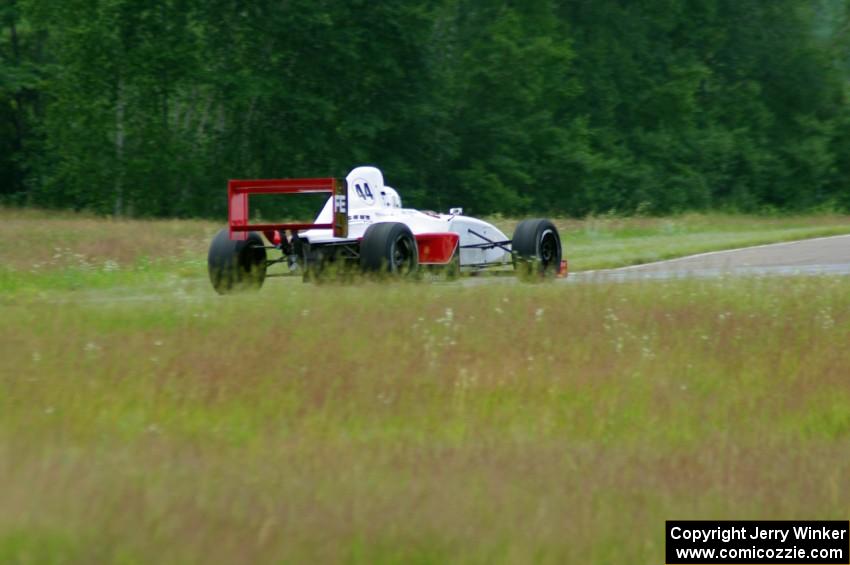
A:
148	107
21	71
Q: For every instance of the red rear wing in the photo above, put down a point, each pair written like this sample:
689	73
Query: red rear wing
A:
239	190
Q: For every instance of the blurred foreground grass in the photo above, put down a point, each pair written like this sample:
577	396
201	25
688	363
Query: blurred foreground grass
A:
43	251
418	423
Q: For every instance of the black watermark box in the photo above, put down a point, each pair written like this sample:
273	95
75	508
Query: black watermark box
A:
694	542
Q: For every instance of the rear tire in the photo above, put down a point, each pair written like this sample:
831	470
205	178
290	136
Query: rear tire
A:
236	265
536	249
389	248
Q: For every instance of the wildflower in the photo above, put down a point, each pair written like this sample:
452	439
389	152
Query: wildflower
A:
447	318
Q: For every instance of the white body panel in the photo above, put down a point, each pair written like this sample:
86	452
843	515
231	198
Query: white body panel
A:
370	201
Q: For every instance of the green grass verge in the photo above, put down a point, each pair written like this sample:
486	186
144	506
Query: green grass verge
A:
42	252
600	243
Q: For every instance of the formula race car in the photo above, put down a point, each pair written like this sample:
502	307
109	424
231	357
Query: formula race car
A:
363	229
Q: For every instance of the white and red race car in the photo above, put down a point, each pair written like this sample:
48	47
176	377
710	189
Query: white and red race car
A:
363	228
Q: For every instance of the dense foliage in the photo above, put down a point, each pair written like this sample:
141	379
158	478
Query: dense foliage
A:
145	107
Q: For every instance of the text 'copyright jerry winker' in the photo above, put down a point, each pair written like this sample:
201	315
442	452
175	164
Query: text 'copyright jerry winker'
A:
748	541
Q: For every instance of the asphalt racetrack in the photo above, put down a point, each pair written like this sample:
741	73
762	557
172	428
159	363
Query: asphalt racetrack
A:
819	256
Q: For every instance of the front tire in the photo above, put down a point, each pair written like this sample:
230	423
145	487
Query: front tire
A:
236	265
536	247
389	248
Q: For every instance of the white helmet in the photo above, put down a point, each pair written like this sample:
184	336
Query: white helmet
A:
390	197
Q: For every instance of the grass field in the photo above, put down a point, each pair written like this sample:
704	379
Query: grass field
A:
43	251
404	423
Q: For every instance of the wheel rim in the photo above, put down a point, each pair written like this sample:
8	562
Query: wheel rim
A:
402	255
548	249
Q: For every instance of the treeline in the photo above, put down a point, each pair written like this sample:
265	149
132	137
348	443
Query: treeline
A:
147	107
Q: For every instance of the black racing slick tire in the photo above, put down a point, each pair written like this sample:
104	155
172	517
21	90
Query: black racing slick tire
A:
536	249
389	248
236	265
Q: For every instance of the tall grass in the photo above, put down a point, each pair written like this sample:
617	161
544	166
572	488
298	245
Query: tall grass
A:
418	423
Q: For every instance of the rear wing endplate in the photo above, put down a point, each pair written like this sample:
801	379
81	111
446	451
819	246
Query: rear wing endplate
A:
237	204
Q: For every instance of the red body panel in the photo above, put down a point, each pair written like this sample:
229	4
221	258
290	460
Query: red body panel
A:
437	248
239	190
